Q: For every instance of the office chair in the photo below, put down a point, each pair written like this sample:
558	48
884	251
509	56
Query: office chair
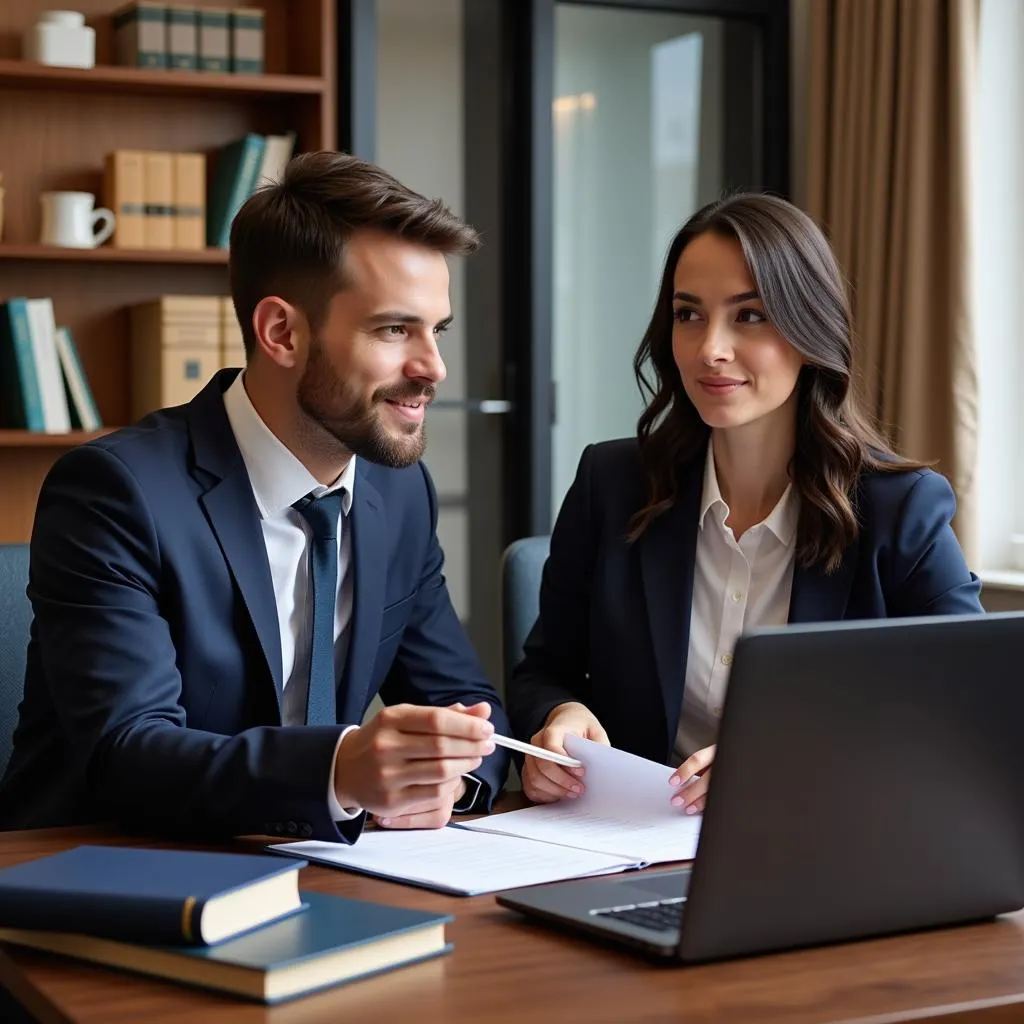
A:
521	568
15	620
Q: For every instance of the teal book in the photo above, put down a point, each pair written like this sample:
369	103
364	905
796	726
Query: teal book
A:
156	896
333	941
21	397
233	183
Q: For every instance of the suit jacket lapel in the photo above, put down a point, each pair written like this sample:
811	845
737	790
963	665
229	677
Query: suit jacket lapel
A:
818	596
369	564
234	518
667	556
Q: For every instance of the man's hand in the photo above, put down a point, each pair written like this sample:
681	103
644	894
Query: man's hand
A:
692	797
405	766
544	781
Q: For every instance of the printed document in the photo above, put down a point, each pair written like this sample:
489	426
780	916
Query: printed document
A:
623	820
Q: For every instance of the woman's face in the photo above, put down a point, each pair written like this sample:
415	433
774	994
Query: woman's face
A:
735	366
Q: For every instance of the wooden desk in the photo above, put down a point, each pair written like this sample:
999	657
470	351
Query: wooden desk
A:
505	968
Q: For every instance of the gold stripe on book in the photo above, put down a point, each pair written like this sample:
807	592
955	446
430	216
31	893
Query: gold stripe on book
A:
186	918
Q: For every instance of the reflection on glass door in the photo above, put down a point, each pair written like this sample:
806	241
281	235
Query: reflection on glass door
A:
645	131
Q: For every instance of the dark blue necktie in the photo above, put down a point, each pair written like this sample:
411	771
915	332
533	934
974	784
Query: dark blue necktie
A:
324	517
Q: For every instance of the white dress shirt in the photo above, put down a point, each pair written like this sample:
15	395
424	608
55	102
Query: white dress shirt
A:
278	480
737	585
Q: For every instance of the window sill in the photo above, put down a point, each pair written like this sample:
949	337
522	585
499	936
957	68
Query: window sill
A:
1002	579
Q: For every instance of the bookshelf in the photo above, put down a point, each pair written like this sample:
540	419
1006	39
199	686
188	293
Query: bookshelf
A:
56	127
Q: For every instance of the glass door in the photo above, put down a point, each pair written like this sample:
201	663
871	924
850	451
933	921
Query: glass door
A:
655	112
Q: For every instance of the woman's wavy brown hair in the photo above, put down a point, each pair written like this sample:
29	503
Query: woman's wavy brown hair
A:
802	290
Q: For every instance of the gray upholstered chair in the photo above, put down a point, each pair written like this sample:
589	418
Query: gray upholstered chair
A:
15	620
521	569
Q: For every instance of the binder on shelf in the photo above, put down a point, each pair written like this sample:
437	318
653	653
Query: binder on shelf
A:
81	403
214	31
232	347
125	193
21	399
158	183
233	183
182	38
140	34
189	200
175	350
247	31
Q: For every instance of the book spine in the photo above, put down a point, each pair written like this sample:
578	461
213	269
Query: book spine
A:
247	41
189	200
182	38
235	180
214	39
158	177
51	381
125	194
152	920
19	383
82	404
140	35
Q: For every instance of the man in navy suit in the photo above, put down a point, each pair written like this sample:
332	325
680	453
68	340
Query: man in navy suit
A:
220	590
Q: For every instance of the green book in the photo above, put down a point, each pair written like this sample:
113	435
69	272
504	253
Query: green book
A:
233	183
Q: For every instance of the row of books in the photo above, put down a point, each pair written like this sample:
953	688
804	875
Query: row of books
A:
161	199
42	384
190	37
178	343
232	922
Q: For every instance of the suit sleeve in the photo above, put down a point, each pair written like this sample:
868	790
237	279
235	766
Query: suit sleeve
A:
108	656
554	668
436	664
929	573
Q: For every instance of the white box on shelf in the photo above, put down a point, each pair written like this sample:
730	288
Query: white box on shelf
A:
61	39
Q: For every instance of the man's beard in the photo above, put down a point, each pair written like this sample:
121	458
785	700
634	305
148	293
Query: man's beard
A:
356	424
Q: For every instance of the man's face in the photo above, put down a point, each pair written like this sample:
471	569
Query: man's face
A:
373	366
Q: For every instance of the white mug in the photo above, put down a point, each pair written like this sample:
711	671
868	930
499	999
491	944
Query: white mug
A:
70	220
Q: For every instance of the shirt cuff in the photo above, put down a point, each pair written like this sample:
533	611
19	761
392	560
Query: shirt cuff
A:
339	813
467	801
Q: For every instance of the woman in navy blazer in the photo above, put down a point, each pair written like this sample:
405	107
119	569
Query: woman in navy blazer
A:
755	493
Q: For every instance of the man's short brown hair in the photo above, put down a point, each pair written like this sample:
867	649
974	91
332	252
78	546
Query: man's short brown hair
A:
289	238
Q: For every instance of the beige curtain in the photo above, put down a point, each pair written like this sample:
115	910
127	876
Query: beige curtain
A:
890	85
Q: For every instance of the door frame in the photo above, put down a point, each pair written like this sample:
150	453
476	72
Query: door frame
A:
529	205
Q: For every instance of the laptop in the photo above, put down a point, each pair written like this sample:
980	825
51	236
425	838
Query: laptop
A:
869	779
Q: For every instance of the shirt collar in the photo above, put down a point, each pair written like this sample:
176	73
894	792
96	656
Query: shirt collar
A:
782	520
278	478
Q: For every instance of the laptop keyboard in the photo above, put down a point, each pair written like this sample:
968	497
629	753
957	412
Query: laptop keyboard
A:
658	915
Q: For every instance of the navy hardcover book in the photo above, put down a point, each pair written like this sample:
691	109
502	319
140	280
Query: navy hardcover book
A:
334	940
155	896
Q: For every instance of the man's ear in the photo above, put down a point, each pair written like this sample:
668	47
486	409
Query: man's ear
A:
279	328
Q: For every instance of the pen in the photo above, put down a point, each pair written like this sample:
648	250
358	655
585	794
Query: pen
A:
529	748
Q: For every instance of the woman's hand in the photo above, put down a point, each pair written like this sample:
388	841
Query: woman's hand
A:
544	782
692	795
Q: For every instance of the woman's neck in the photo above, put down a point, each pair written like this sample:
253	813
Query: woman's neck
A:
752	466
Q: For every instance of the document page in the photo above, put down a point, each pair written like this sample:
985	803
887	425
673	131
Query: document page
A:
624	810
457	861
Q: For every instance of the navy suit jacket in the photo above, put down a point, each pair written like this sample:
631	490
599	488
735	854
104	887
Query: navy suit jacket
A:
153	687
614	624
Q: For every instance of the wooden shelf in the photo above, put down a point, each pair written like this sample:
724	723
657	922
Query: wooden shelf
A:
109	78
108	254
35	439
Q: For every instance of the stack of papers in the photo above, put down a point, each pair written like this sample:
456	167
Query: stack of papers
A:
623	820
